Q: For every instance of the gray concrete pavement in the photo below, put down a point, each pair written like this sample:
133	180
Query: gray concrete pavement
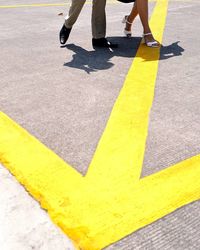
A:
23	224
64	96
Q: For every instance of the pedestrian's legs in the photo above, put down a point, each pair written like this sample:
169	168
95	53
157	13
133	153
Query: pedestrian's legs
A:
74	11
141	7
98	19
131	17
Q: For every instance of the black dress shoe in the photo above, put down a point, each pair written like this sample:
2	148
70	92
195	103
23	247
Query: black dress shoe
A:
103	43
64	34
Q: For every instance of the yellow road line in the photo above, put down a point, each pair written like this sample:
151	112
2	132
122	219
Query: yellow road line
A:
97	210
32	5
67	4
123	141
43	5
124	208
32	158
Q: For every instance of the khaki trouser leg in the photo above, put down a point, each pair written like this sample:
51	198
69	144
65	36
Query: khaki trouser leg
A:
74	11
98	19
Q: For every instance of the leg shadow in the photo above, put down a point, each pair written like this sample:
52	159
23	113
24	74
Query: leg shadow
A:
100	59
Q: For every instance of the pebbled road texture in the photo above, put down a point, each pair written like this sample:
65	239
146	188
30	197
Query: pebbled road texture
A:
64	97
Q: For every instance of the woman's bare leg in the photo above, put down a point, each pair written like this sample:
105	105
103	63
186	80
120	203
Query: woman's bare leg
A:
131	17
140	7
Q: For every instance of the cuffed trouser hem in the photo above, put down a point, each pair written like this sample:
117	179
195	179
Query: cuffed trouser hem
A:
98	16
98	19
67	26
98	37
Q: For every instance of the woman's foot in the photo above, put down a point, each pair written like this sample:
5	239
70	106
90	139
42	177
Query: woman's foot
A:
149	40
127	30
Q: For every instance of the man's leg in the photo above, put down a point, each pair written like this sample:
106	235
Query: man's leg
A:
99	25
98	19
74	11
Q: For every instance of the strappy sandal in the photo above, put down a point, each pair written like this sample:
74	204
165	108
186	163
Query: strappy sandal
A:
127	32
152	44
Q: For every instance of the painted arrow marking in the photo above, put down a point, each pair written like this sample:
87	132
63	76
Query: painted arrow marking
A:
111	201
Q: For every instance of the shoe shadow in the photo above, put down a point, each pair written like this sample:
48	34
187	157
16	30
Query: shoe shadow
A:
100	59
172	50
166	52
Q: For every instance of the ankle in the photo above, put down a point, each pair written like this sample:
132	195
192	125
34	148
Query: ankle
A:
128	27
148	35
146	31
128	23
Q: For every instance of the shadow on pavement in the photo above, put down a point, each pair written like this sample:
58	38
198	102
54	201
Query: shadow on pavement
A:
100	59
172	50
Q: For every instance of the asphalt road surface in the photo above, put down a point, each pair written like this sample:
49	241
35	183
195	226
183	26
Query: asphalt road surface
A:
64	95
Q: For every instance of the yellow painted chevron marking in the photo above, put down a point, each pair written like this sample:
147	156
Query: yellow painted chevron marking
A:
123	141
111	201
19	148
94	214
